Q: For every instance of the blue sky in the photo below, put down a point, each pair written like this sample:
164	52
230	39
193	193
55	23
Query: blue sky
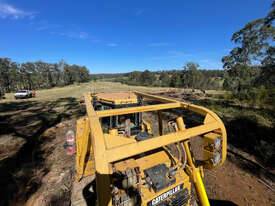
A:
111	36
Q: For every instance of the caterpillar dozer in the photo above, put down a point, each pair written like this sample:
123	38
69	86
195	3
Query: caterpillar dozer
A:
133	166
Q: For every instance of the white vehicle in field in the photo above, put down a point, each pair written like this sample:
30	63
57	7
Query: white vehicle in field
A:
23	94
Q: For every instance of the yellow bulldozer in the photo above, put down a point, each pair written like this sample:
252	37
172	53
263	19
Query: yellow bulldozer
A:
134	166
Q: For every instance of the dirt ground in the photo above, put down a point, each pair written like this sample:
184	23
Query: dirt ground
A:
35	169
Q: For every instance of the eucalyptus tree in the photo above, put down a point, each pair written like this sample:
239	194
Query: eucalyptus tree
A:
255	49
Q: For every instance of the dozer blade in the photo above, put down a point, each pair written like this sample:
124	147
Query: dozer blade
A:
90	166
84	152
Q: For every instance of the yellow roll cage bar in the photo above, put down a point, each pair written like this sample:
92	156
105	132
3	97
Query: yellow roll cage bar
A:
108	148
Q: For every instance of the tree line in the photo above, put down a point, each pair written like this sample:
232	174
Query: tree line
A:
39	75
189	77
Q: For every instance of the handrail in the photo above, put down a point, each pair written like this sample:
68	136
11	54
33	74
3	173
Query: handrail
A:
130	110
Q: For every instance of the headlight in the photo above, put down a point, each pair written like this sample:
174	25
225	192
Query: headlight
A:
217	143
216	158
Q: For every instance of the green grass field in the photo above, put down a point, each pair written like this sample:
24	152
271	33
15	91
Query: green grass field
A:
77	91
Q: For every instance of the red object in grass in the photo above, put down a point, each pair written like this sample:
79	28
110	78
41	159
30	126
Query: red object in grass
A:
70	142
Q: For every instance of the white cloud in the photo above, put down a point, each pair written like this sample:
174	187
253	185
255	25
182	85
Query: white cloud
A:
139	12
112	44
179	54
47	26
83	35
210	64
74	35
174	55
155	44
9	11
205	60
